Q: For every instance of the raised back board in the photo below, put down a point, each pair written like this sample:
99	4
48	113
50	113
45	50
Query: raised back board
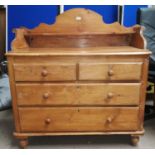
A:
78	28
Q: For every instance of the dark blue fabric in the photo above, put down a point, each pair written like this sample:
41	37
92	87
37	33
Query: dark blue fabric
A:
130	14
147	19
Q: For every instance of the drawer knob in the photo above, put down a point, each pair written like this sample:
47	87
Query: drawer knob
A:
47	120
109	120
44	73
110	95
46	95
110	72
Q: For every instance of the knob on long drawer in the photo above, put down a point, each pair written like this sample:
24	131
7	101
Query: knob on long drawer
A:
46	95
44	73
110	72
47	120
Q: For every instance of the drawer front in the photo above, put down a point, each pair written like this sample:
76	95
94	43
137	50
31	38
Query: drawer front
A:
111	71
78	94
78	119
47	72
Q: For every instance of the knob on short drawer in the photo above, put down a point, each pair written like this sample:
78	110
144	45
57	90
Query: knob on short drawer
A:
46	95
44	73
110	72
47	121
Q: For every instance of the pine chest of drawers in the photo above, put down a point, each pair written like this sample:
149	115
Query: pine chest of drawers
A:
78	76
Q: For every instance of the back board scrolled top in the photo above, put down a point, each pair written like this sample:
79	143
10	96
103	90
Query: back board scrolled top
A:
83	21
78	28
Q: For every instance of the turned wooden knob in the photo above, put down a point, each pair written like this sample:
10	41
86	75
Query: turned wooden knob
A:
110	95
46	95
109	120
110	72
47	120
44	73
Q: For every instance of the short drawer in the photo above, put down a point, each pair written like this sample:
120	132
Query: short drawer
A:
110	71
78	119
78	94
45	72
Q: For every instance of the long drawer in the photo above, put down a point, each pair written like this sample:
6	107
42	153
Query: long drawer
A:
78	94
110	71
45	72
78	119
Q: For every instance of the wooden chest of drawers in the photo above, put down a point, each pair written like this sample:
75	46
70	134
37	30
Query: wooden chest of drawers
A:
78	77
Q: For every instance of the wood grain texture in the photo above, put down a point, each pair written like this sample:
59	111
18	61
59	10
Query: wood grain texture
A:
79	119
143	91
19	41
110	71
138	40
78	94
78	41
13	93
90	51
45	72
87	71
138	132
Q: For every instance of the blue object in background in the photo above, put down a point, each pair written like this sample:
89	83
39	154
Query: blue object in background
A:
29	16
109	12
130	14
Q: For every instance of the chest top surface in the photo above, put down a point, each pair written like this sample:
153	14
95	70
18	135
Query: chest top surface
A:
79	31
